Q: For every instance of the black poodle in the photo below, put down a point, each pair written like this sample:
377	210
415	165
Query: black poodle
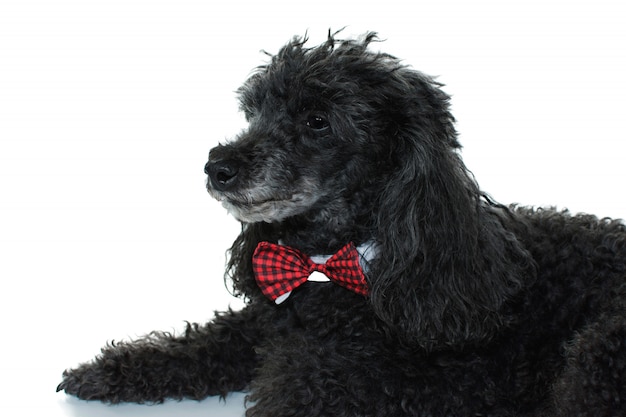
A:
379	279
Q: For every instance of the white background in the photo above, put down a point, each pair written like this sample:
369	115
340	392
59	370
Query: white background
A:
108	110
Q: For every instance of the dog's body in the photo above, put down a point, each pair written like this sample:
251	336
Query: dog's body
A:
472	308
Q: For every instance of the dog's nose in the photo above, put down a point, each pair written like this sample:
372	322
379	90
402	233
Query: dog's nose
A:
223	174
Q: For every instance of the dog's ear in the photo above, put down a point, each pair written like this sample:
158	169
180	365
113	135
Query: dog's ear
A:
446	264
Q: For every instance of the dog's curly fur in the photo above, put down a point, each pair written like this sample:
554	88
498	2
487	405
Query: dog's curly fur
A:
474	308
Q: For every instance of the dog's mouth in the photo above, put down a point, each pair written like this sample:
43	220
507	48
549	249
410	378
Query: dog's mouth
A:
266	194
257	205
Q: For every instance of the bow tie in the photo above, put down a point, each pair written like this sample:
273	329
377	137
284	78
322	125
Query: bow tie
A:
281	269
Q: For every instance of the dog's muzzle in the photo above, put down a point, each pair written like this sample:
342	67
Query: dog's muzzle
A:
223	174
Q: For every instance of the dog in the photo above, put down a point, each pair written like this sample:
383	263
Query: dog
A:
379	279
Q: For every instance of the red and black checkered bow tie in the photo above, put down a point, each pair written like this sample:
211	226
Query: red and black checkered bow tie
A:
281	269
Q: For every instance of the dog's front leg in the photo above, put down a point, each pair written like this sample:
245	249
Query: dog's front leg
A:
212	359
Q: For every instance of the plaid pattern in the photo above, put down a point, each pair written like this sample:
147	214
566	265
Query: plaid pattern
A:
280	269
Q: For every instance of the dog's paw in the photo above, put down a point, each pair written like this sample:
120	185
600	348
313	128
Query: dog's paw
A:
84	382
87	382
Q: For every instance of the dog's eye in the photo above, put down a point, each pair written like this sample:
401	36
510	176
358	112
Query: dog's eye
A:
317	123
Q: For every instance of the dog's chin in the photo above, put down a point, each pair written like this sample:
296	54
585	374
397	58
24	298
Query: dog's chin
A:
269	210
262	203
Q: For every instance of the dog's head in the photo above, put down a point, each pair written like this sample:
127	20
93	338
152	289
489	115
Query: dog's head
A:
322	123
347	144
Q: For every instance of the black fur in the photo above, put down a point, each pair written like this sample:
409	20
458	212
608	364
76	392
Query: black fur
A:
475	309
